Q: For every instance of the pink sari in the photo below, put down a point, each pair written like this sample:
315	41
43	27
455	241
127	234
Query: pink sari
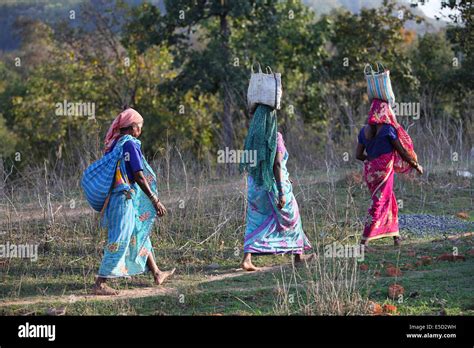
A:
382	218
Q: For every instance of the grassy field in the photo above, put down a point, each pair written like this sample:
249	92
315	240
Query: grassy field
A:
202	236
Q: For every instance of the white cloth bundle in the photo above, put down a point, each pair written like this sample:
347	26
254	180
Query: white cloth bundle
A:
264	88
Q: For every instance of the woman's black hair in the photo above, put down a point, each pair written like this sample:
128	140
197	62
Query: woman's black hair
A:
125	107
127	128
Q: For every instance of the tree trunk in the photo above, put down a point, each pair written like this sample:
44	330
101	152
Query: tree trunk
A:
227	129
227	126
2	178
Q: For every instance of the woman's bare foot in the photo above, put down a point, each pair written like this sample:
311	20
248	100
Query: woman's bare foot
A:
103	289
161	276
248	266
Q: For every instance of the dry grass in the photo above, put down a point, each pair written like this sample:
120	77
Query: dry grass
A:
205	226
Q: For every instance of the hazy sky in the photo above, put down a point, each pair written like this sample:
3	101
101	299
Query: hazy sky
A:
432	8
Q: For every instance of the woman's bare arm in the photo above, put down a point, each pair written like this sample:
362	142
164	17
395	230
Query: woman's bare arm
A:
278	176
360	155
277	166
406	155
143	183
403	153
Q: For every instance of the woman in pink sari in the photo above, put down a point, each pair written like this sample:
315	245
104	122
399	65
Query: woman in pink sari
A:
388	150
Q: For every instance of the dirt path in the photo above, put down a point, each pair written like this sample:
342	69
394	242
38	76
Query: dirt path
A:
66	299
130	293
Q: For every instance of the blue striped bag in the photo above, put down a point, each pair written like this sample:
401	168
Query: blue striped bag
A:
379	85
98	178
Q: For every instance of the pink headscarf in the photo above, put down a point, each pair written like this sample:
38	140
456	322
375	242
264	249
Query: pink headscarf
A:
123	120
381	112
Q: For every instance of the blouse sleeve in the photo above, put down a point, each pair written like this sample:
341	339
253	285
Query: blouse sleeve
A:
392	133
133	156
281	148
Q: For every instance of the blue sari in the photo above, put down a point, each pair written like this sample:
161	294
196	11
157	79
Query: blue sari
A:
129	217
271	230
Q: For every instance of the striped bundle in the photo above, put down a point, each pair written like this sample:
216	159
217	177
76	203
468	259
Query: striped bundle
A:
378	84
98	178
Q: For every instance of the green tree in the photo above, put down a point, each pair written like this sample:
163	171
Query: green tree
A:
432	65
206	58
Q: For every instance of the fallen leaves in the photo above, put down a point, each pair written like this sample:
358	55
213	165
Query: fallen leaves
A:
451	257
395	290
389	309
377	309
393	271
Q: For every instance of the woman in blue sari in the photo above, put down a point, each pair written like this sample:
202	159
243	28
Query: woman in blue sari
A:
130	209
273	219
